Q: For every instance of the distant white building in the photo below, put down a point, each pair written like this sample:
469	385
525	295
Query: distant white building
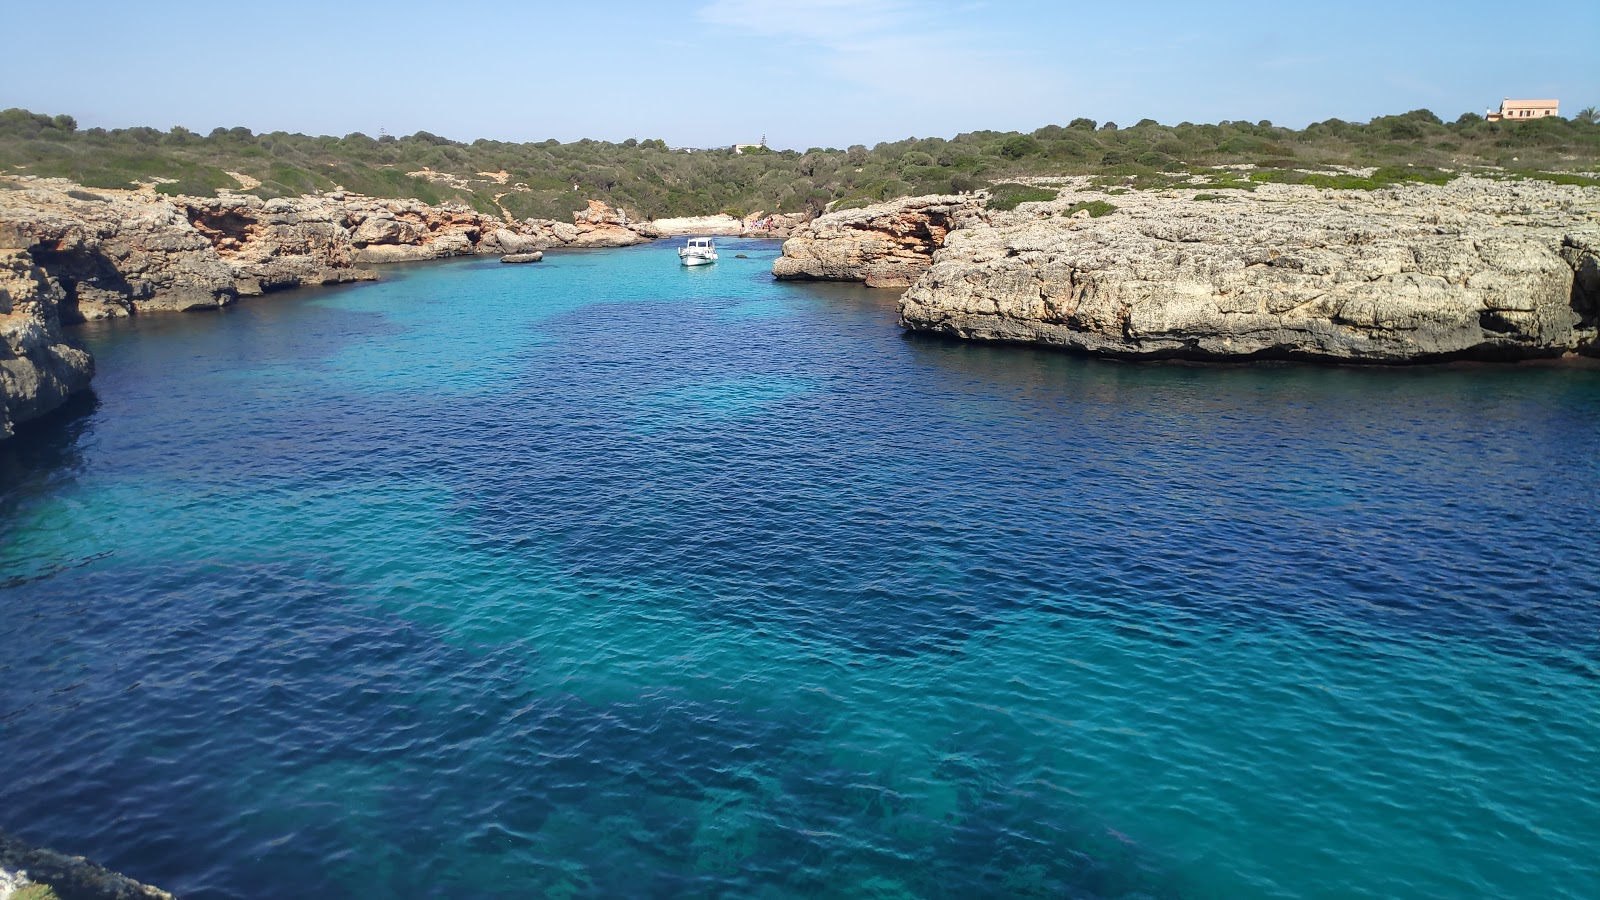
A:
740	148
1525	109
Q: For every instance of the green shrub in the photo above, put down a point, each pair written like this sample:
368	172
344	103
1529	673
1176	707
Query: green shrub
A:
1009	196
1095	208
1558	178
647	177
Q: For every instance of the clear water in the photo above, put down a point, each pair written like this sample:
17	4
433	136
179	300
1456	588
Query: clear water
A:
603	577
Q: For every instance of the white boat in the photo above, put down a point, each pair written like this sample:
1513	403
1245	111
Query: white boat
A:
699	251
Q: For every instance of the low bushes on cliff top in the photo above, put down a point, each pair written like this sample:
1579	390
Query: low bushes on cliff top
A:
549	179
1010	195
1095	208
1384	176
1553	177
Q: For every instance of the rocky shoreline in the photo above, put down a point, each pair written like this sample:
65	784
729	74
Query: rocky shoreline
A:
70	254
35	872
118	253
1474	269
38	368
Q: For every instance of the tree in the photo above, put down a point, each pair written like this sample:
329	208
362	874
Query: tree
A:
1589	115
1019	146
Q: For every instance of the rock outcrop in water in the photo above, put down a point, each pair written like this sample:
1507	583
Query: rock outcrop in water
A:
1472	269
69	877
38	370
886	245
114	253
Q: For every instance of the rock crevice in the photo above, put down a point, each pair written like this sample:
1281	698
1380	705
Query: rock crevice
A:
38	368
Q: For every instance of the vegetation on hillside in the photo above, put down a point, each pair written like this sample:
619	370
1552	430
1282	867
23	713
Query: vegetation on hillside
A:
550	179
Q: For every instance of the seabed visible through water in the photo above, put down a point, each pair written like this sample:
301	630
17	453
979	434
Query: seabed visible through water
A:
604	577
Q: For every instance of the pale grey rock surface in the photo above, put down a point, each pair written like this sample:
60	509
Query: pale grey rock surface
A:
68	254
1472	269
38	369
885	245
535	256
114	253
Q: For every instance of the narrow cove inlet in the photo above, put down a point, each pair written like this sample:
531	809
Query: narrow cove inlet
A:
609	576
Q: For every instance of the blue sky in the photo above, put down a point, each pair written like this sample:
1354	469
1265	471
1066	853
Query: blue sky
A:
818	73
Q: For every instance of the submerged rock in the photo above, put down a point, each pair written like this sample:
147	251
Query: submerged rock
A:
1471	269
68	877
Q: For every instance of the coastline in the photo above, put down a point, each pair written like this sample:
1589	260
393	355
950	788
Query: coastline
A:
73	255
24	866
285	492
1473	269
1421	274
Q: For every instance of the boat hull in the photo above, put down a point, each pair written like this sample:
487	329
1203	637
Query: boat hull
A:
698	260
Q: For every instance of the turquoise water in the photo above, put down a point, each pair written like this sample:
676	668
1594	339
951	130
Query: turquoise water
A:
604	577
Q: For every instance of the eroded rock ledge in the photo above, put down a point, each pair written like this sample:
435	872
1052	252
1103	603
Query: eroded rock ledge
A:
1473	269
38	369
887	245
69	877
68	254
115	253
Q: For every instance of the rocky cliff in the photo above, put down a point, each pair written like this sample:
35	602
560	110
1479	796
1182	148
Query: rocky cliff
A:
887	245
38	370
1472	269
114	253
68	254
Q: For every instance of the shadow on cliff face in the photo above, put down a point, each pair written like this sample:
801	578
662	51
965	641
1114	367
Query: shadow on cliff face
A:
227	230
82	271
1586	292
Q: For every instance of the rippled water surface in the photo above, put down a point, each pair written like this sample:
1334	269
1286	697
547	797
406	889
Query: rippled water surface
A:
603	577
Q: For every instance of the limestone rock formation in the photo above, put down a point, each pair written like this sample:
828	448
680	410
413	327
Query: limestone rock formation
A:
113	253
38	370
109	251
535	256
886	245
270	245
602	226
1472	269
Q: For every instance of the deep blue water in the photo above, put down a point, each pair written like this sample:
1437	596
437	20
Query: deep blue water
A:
603	577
